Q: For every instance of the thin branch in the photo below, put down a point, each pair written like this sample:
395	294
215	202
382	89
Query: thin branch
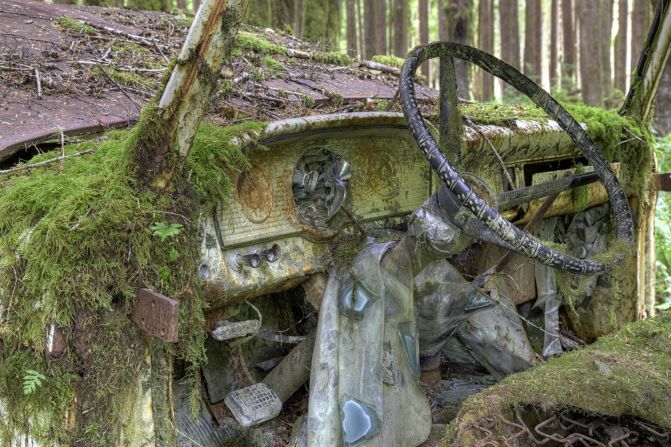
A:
45	162
38	80
139	108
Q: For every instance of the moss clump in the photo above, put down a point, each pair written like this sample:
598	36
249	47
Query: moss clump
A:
74	25
624	374
256	44
126	78
272	64
75	244
332	57
388	59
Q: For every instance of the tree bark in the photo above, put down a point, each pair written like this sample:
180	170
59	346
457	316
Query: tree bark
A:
510	32
351	29
486	43
359	19
569	61
590	54
196	5
424	33
298	18
459	14
554	45
640	25
163	137
442	20
282	15
606	28
321	21
401	28
381	26
620	66
533	40
369	13
259	13
663	101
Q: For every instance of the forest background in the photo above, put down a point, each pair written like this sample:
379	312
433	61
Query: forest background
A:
579	50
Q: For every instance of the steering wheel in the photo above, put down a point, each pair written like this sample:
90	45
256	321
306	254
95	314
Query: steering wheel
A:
510	236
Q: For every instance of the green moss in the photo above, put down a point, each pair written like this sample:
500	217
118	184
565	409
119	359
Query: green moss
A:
75	244
127	78
74	25
272	64
254	43
332	57
388	59
625	374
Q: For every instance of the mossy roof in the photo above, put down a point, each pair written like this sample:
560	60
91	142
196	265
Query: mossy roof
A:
95	77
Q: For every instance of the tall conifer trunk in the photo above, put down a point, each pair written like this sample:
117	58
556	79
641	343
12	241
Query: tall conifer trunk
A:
570	60
424	32
533	39
590	53
554	44
606	31
486	43
400	15
620	65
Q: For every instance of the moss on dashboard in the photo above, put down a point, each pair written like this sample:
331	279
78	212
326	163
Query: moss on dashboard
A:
75	244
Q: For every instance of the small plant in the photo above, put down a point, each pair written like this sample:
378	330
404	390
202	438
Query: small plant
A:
164	231
31	381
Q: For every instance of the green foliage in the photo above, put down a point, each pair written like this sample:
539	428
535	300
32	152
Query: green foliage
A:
31	381
164	231
390	60
76	241
332	57
633	380
74	25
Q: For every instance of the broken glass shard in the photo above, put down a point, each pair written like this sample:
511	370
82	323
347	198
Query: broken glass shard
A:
478	300
359	421
409	346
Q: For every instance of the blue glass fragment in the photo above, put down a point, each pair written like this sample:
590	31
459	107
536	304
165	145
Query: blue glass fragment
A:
409	346
354	301
359	421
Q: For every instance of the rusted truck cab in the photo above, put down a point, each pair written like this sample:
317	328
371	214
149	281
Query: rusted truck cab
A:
329	167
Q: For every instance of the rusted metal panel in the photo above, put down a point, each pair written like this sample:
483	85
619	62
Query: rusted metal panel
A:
157	315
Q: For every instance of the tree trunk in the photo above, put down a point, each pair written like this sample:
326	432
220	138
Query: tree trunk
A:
401	29
298	19
569	61
590	54
321	21
554	44
459	14
533	40
424	32
370	21
362	33
663	102
196	5
620	66
163	137
486	43
351	29
282	15
259	13
380	27
640	25
606	28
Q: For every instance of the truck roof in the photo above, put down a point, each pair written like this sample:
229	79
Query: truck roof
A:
98	66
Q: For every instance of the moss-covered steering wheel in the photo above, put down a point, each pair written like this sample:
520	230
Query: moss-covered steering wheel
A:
512	237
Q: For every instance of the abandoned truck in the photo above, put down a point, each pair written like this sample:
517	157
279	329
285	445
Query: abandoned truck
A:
320	261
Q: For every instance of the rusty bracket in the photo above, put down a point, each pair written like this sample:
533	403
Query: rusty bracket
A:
663	181
157	315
